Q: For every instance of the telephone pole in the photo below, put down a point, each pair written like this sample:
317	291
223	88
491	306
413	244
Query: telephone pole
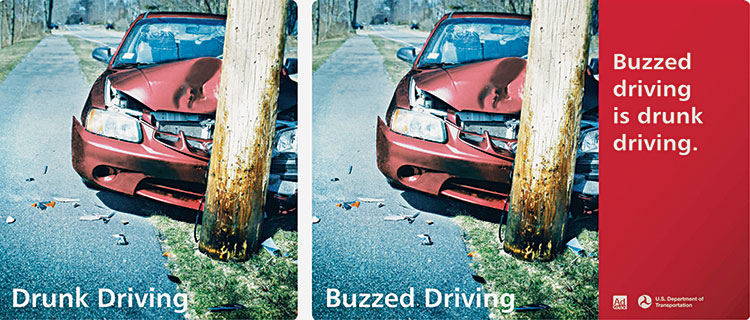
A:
550	125
245	125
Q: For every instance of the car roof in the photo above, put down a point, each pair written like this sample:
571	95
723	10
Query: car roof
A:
486	15
198	15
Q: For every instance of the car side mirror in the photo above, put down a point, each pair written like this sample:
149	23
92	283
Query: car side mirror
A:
291	65
407	54
102	54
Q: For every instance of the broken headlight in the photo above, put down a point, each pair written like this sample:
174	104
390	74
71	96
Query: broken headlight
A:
113	125
285	141
113	97
418	124
590	141
418	98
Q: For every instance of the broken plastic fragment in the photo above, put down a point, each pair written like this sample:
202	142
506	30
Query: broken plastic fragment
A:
43	205
576	247
121	239
478	279
10	220
174	279
61	199
371	200
29	179
350	170
426	240
402	217
472	254
167	254
226	307
380	204
348	205
45	170
335	179
315	219
124	222
429	222
271	247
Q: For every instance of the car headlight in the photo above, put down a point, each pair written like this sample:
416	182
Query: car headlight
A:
113	97
285	141
418	124
113	125
590	141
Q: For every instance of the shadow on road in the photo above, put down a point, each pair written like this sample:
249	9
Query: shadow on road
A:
146	208
451	208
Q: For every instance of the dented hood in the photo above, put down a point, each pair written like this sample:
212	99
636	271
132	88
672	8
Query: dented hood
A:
490	86
190	86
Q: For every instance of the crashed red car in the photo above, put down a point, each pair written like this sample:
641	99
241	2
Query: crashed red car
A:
451	128
146	128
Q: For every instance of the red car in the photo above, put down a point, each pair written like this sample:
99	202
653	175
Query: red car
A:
146	128
451	128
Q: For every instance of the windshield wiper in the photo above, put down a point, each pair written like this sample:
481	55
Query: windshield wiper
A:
436	64
131	65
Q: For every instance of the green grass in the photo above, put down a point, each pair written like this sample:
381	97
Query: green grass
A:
569	284
11	55
324	49
395	67
265	285
91	68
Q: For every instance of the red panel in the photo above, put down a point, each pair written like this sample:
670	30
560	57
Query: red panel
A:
685	233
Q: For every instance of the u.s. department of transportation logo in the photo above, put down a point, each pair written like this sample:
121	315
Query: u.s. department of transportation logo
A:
644	301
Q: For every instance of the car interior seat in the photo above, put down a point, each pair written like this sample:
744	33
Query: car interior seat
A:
163	46
468	46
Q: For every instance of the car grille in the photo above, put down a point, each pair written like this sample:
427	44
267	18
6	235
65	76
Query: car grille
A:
501	126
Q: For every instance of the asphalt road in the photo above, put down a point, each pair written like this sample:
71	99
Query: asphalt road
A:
52	251
415	38
356	251
108	38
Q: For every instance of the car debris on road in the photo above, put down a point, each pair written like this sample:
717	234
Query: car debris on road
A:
10	220
411	218
121	239
426	240
96	217
43	205
348	205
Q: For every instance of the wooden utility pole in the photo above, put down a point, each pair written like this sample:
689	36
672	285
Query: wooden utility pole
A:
245	125
550	125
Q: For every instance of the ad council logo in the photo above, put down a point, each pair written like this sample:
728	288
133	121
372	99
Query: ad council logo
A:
644	301
620	302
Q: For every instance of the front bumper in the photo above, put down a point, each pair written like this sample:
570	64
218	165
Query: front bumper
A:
150	169
454	169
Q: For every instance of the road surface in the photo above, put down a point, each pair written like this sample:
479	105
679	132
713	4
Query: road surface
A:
98	35
52	251
356	251
415	38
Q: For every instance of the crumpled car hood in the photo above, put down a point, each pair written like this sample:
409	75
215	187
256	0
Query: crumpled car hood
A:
489	86
189	86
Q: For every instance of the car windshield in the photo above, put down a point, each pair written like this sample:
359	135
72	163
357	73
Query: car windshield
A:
466	40
159	40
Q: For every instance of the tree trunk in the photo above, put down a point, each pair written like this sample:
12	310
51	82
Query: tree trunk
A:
50	5
245	123
550	125
13	22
